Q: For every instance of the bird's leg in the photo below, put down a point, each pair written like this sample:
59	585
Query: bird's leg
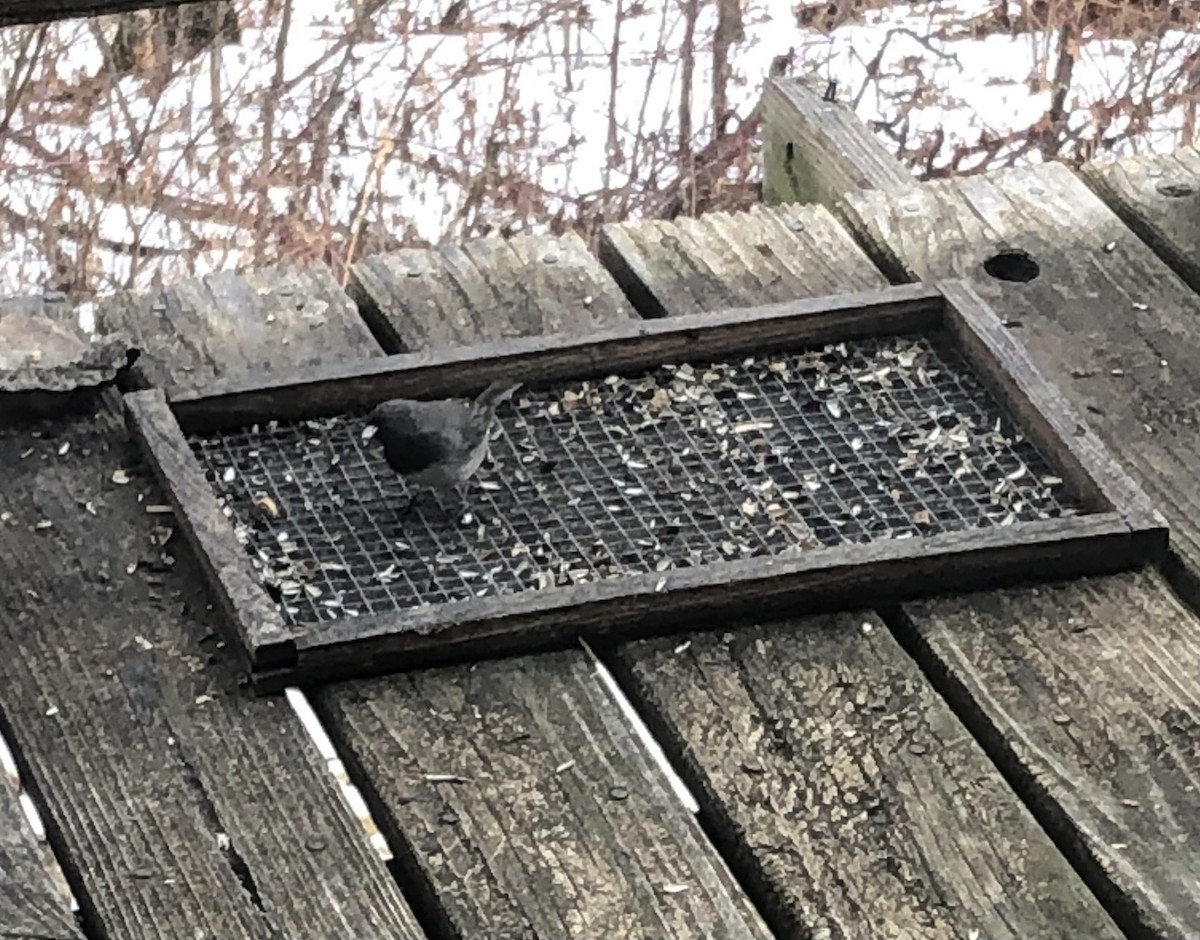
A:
413	495
450	502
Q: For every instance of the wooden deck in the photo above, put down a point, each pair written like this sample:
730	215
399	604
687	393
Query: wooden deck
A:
1009	764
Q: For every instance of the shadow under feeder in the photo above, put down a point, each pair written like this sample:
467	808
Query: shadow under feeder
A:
1117	527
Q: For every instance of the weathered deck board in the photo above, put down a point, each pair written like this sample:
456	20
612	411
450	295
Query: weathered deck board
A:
147	755
529	845
271	322
32	905
1113	326
132	728
848	792
1117	331
494	287
844	786
523	774
815	151
1158	197
48	363
1087	693
708	272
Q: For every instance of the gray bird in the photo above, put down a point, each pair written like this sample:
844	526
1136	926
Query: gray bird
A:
438	444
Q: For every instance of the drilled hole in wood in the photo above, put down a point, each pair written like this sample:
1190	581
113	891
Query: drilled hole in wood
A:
1013	265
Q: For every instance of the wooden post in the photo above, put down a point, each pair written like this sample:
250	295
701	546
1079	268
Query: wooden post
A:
816	151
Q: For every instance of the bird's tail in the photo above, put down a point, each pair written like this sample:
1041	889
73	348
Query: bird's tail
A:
491	397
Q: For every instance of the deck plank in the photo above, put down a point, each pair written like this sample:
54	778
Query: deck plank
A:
178	803
561	826
1086	694
1105	668
272	322
416	298
1105	318
33	903
842	784
529	808
789	242
1157	196
132	727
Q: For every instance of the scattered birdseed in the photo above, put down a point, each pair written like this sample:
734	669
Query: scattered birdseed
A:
589	481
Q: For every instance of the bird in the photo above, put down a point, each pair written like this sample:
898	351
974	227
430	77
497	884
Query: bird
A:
438	444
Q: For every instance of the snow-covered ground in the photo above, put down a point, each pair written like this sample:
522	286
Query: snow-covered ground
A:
410	114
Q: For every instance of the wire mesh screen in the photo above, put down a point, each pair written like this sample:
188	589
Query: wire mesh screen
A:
684	465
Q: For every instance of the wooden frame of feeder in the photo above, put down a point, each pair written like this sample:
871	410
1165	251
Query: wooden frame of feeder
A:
1118	528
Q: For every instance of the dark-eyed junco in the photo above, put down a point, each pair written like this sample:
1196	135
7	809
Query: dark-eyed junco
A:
438	444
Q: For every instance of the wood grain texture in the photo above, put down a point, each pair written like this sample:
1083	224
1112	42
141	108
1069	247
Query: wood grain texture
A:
41	353
716	261
799	738
1116	331
853	800
13	12
532	810
1046	417
32	903
525	286
670	602
1106	320
274	322
252	620
1087	695
179	805
48	364
815	151
476	872
465	370
1158	197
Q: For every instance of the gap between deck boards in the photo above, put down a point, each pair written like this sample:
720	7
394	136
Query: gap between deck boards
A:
10	777
33	817
594	675
357	805
1146	903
